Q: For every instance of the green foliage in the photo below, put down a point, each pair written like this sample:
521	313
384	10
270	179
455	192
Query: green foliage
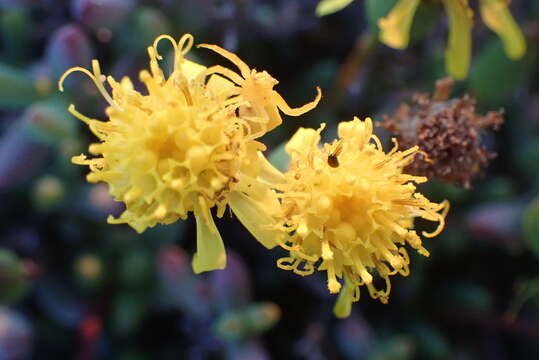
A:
376	9
530	224
509	74
13	278
48	121
17	89
247	322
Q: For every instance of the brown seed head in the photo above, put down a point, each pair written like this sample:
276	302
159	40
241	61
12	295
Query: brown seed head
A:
447	131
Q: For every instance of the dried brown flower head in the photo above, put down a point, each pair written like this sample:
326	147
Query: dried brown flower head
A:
447	131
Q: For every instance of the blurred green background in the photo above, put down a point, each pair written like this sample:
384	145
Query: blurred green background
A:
74	287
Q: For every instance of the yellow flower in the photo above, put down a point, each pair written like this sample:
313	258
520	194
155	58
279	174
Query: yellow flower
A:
348	210
180	149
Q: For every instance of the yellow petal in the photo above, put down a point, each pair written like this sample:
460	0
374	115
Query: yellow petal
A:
395	27
255	217
191	69
210	253
326	7
459	47
497	17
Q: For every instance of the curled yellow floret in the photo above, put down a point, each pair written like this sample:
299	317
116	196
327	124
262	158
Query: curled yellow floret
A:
348	209
253	94
181	148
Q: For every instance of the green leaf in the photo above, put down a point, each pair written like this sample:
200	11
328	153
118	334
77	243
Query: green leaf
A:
247	322
376	9
530	224
49	122
431	343
494	77
426	18
469	296
15	30
127	313
13	280
17	89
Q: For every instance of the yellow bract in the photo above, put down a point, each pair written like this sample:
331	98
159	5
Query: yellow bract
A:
182	148
348	210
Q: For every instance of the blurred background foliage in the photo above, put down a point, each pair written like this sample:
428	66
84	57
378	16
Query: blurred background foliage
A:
73	287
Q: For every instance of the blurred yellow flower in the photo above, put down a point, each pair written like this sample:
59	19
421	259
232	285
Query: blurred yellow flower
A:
348	210
181	148
395	28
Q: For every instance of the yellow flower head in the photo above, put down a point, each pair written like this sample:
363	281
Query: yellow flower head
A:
348	210
179	148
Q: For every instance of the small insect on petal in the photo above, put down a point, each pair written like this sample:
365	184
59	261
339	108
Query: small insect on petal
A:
333	159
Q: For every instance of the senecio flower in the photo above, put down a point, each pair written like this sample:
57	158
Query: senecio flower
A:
182	147
348	210
395	28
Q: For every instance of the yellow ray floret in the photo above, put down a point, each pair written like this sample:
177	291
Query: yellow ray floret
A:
497	17
326	7
395	28
178	149
348	209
